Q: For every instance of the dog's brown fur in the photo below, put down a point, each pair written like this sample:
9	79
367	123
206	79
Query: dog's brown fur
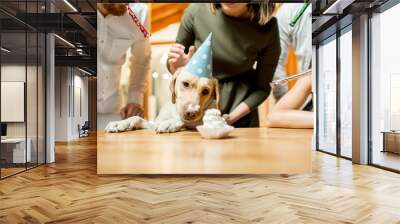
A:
193	93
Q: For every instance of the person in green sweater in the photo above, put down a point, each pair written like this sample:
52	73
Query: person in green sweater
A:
245	48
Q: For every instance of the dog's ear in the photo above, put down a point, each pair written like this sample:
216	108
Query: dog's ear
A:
172	85
216	93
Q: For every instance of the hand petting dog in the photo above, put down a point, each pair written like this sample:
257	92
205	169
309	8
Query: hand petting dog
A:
178	58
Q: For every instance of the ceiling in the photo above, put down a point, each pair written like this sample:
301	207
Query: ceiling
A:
75	22
332	15
72	20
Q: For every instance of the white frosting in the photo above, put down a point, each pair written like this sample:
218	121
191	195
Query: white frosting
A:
212	119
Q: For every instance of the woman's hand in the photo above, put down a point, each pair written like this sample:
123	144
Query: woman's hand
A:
177	57
228	118
240	111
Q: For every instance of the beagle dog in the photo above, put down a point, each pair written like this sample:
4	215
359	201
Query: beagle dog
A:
191	97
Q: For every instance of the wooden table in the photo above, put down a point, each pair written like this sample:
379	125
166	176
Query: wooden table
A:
391	141
14	151
248	151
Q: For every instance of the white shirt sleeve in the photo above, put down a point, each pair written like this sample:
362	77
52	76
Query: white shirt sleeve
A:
138	59
141	11
283	16
299	37
302	40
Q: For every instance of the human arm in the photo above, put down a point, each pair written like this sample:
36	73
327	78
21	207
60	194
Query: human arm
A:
137	67
266	65
181	52
240	111
260	79
287	113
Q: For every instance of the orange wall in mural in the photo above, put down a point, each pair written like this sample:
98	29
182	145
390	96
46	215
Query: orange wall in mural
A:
291	66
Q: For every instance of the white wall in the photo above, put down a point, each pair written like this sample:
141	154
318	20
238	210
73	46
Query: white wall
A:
12	73
71	93
80	96
61	103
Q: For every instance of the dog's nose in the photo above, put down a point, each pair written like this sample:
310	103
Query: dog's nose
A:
189	115
192	111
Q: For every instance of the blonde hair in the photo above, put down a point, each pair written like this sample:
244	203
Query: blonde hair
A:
261	12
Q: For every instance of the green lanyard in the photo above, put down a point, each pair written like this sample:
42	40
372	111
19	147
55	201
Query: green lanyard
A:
299	14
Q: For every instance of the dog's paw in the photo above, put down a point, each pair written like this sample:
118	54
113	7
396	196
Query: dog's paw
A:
169	126
117	126
136	122
128	124
112	127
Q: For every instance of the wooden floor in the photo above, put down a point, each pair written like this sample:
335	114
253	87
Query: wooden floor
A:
70	191
387	159
10	171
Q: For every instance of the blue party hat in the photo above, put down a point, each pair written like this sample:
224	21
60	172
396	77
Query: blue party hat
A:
200	63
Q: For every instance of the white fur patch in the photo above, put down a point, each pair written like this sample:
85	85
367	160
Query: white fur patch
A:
193	108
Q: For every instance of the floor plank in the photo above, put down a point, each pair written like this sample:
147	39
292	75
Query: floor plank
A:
70	191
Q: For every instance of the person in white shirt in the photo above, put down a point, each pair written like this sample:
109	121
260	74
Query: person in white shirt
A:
123	55
295	29
294	108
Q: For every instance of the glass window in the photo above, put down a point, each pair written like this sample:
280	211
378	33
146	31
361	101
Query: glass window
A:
346	94
22	90
327	97
385	89
15	150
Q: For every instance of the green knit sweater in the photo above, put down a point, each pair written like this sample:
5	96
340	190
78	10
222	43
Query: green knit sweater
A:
237	45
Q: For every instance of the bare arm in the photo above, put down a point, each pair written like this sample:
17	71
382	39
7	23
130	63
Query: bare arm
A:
287	111
240	111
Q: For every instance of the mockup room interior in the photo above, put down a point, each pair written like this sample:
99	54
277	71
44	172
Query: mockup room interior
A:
65	159
45	83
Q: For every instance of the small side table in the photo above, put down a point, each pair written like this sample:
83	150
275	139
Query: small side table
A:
14	152
391	141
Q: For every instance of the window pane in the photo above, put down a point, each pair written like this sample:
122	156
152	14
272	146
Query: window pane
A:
14	153
327	97
346	94
386	89
31	98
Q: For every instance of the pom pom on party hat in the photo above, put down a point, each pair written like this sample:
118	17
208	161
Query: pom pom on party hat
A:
201	62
